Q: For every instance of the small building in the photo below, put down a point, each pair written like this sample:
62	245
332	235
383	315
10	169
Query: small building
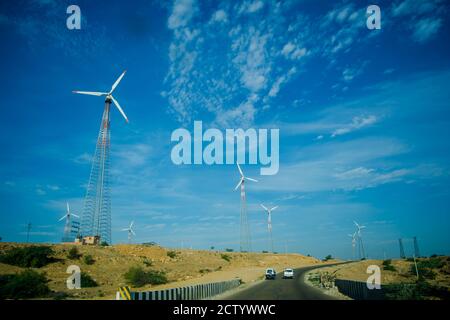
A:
88	240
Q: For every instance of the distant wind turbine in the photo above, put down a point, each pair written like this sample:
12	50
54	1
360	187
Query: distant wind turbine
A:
130	231
269	223
362	253
67	226
246	244
353	236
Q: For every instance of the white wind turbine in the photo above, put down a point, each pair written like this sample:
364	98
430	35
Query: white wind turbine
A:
245	231
96	218
269	223
108	95
67	226
130	231
353	236
360	242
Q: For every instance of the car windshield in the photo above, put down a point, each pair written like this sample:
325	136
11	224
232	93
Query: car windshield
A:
269	271
288	270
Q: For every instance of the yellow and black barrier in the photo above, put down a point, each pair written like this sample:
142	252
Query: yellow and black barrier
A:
125	293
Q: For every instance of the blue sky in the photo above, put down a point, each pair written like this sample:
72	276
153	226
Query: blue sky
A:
363	117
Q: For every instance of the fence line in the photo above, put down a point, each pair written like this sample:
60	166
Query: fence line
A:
358	290
194	292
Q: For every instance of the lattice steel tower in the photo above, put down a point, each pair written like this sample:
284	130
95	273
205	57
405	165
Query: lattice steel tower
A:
96	218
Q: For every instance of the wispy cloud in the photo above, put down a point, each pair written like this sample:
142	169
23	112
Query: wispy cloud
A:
356	124
423	18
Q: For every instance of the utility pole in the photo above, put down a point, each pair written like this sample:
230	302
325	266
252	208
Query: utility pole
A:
28	231
415	264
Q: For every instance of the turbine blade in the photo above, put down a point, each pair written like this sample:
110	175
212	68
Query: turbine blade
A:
62	217
240	170
131	224
117	82
273	208
91	93
240	182
125	229
264	207
68	209
251	179
119	108
75	215
133	232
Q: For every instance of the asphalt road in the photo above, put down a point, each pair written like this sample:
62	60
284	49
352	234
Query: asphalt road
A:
283	289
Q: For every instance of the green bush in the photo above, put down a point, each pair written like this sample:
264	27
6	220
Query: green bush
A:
88	259
147	262
389	268
387	265
73	254
202	271
137	277
87	281
150	244
328	257
171	254
265	251
225	257
415	291
25	285
104	244
433	263
424	273
404	291
26	257
229	250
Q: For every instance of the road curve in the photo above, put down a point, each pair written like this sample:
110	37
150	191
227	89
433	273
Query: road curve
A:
284	289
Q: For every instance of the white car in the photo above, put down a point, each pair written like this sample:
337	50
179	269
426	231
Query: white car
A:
288	274
271	274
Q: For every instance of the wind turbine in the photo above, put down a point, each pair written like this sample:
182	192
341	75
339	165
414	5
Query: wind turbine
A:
130	231
361	245
68	225
269	223
246	244
353	236
96	218
108	95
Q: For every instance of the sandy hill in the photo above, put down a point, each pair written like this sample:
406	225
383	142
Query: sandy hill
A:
403	271
183	267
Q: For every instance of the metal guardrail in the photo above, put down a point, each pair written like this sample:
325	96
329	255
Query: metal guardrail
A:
196	292
358	290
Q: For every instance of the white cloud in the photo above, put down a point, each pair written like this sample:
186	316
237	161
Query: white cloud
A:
426	29
219	16
291	51
251	6
84	158
182	12
357	123
423	18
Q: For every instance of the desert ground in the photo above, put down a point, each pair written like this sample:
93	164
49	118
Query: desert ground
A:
182	266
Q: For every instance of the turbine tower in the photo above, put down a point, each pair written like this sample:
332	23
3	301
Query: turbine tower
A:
130	231
269	223
68	226
96	218
245	244
416	248
362	253
353	236
402	249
